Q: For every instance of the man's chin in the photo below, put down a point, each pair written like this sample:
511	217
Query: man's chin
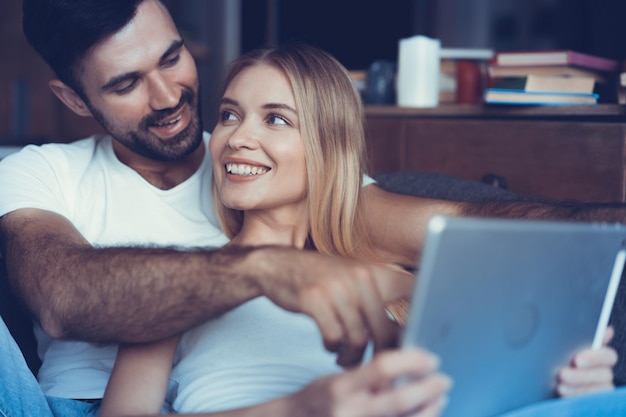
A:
170	149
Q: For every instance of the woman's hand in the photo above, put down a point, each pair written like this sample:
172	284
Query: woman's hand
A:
590	370
369	390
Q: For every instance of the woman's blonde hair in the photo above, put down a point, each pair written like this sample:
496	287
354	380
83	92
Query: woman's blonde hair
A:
332	128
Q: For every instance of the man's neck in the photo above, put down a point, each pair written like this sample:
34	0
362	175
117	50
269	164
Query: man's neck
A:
161	174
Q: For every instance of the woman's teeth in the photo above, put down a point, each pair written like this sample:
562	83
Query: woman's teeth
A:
241	169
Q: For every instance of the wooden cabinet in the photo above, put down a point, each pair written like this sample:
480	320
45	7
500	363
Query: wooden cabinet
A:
563	153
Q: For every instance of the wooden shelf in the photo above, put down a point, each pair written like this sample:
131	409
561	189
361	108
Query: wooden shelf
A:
600	111
559	153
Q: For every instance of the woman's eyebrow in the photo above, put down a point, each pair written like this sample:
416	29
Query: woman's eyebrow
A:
226	100
267	106
279	106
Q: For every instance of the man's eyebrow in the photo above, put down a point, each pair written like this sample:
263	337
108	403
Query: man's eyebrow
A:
174	47
118	79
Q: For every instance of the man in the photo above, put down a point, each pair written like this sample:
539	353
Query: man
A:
103	237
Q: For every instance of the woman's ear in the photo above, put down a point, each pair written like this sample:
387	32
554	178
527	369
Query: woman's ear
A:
69	97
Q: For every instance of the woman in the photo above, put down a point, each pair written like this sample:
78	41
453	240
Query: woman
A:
289	155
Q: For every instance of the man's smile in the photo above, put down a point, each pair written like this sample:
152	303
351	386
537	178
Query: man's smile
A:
172	125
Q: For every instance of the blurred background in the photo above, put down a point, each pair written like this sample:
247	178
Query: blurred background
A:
357	32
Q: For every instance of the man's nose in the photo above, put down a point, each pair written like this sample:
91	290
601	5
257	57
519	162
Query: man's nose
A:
164	94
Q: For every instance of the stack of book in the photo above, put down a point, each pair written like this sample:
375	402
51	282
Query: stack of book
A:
548	78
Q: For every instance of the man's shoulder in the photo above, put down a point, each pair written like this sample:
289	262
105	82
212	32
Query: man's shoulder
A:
87	145
56	160
43	176
52	149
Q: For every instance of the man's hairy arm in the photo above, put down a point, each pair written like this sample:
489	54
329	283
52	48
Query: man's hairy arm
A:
398	222
139	294
564	211
115	294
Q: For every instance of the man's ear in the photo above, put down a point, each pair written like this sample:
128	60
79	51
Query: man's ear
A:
69	97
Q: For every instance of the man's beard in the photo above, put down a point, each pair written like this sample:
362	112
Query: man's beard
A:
145	143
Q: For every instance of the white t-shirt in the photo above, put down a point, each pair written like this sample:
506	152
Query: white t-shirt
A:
111	205
252	354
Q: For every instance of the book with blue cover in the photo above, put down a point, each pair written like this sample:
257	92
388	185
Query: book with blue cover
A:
537	98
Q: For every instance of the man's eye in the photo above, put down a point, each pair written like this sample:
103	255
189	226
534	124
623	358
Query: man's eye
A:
275	119
125	88
172	61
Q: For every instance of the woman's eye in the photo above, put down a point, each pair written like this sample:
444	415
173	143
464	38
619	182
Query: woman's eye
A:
277	120
227	116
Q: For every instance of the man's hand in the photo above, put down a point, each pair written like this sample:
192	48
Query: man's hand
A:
346	298
590	370
369	391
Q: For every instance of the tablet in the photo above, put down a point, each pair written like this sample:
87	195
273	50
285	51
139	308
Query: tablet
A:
506	303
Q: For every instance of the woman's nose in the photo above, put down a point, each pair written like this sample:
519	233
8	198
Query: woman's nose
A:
244	136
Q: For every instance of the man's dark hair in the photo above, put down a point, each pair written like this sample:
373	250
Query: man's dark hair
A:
63	31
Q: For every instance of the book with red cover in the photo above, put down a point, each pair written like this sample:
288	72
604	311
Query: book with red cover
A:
555	57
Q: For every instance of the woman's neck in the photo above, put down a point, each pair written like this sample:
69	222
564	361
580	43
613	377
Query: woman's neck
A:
273	227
